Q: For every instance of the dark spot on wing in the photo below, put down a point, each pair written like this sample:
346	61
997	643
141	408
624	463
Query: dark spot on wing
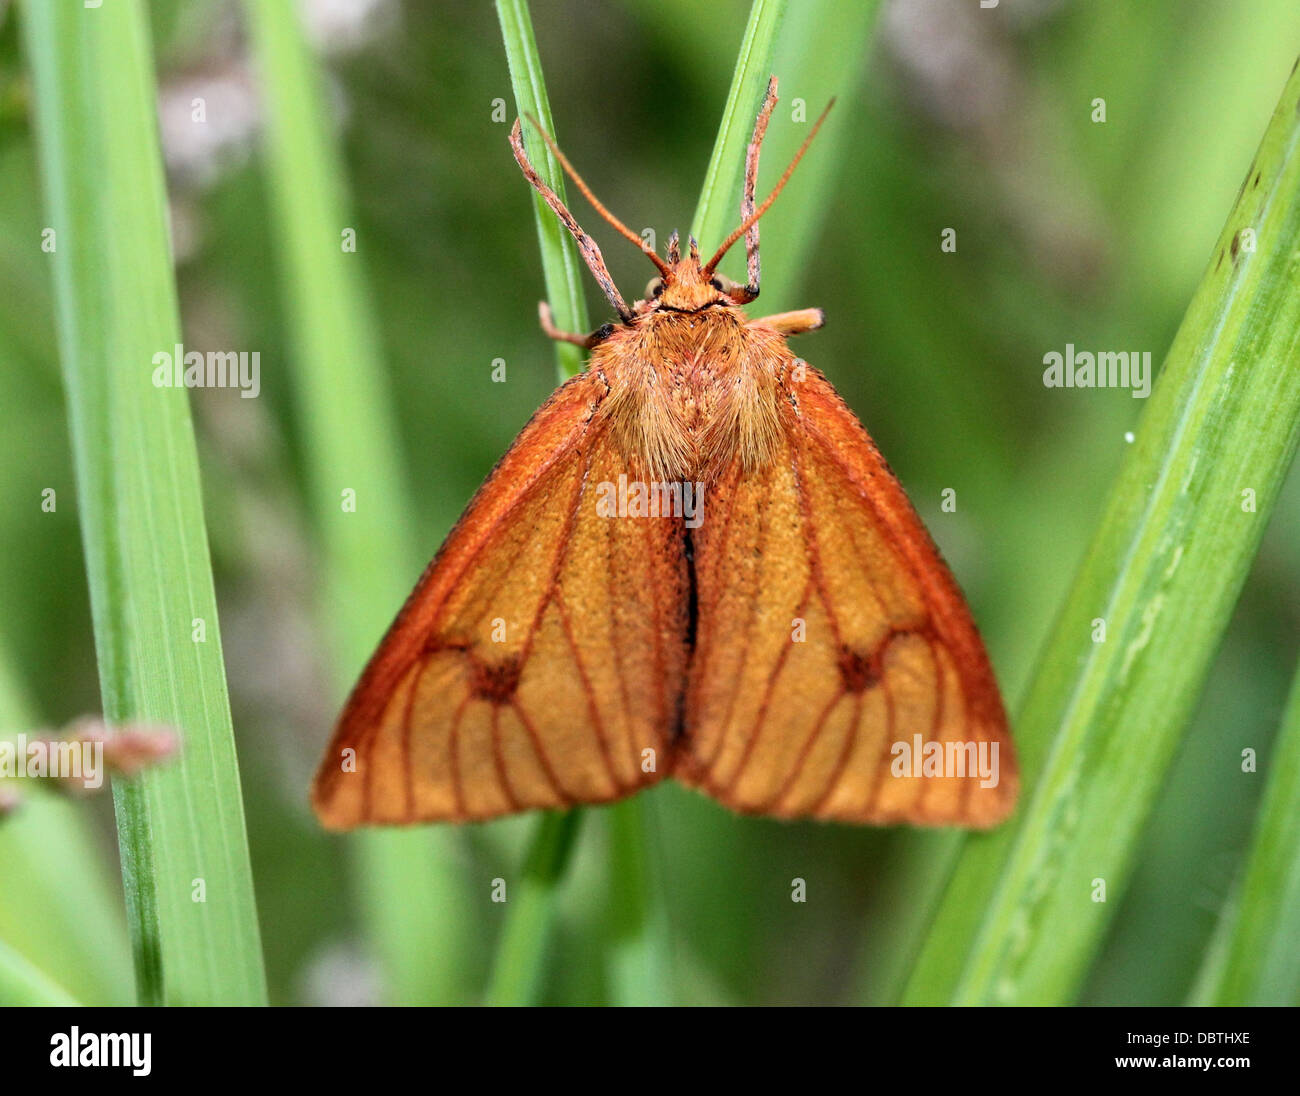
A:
856	670
495	681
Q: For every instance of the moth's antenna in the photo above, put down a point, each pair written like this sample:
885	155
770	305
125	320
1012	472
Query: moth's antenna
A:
753	265
614	222
590	251
767	202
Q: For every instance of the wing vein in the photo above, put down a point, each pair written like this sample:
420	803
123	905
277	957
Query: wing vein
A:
408	775
846	751
453	749
761	716
543	758
796	769
761	539
615	638
499	761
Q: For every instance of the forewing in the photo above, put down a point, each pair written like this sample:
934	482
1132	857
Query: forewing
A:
539	657
837	672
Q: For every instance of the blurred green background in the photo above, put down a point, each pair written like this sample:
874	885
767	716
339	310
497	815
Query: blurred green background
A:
1068	231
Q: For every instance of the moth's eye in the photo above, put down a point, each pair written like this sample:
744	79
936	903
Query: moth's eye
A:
717	284
655	287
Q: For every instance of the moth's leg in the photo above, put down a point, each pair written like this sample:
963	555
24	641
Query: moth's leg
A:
750	291
798	322
552	332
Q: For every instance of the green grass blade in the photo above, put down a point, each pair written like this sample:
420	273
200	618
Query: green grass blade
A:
181	829
561	265
641	955
529	923
1018	923
1255	956
24	984
640	958
521	952
718	210
821	55
408	880
909	886
57	907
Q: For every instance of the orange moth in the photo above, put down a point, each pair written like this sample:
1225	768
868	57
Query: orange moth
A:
692	562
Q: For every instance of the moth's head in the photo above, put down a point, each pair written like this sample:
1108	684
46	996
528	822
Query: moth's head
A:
686	285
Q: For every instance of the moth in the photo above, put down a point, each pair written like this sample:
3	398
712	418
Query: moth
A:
692	562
